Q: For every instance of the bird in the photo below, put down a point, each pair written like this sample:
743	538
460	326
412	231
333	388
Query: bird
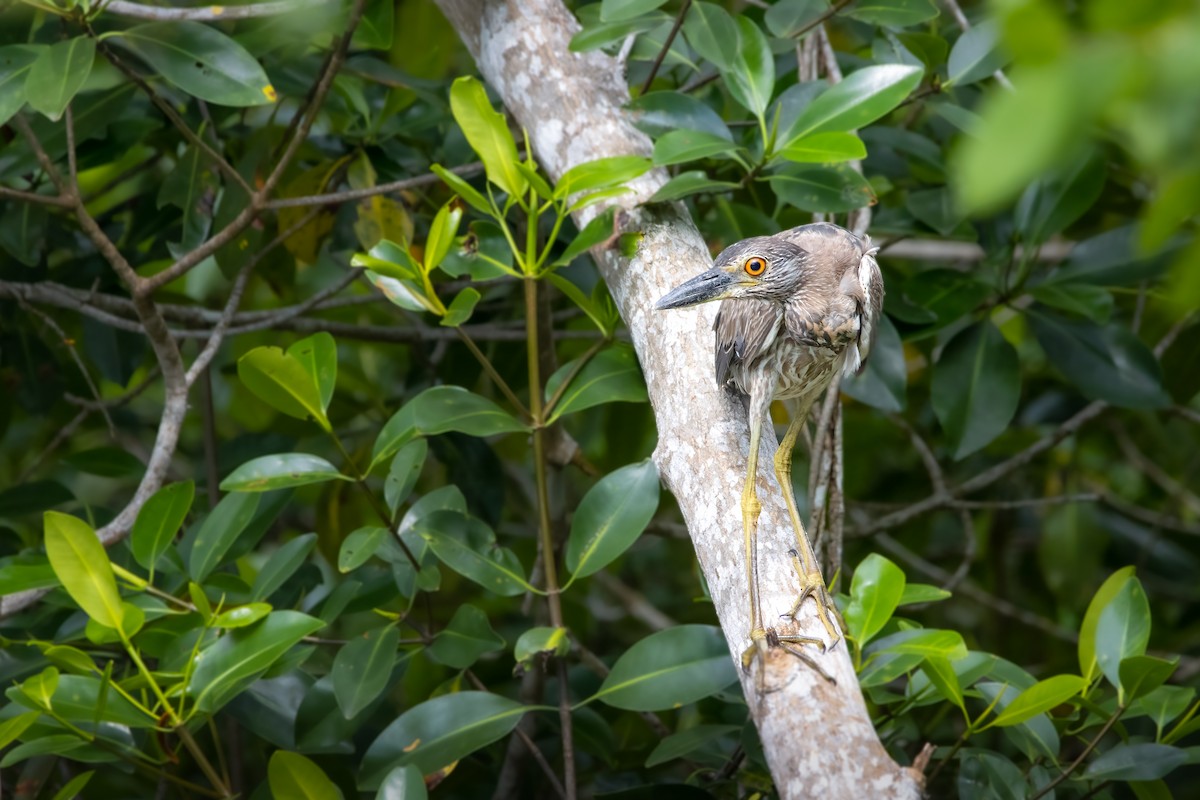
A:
797	307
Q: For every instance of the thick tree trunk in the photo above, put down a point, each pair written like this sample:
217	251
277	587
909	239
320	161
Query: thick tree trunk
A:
818	738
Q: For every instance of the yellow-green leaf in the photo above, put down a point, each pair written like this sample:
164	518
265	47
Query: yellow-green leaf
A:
79	561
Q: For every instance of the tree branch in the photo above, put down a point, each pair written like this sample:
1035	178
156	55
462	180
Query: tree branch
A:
208	13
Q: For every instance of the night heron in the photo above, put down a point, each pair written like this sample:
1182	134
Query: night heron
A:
798	307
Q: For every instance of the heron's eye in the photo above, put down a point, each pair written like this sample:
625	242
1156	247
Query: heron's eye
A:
755	266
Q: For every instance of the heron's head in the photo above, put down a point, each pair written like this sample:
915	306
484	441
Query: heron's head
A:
763	267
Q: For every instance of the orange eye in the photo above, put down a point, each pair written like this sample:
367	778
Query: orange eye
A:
755	266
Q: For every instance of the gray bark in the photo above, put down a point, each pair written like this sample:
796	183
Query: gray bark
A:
817	736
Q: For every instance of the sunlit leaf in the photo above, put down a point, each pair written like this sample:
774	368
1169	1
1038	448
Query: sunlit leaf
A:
487	132
875	592
79	561
294	777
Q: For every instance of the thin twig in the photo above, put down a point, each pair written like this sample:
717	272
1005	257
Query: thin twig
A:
662	53
334	198
1087	751
209	13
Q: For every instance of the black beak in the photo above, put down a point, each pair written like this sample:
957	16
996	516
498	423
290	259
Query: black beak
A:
712	285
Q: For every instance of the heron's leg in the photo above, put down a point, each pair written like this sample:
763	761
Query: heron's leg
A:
803	558
750	511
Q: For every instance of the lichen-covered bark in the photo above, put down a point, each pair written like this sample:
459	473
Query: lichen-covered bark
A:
817	736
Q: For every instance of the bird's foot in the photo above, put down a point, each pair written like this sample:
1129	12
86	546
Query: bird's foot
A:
763	641
813	585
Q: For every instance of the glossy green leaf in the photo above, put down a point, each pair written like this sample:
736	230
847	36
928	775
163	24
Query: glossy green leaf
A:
1051	204
15	62
438	732
942	677
73	787
1144	761
601	173
915	593
543	639
468	546
712	33
242	616
403	473
468	636
218	532
38	690
58	744
1041	697
476	199
318	355
441	233
875	592
487	132
453	408
461	307
282	565
863	97
596	231
359	546
689	183
610	518
1123	630
685	742
403	783
1104	363
294	777
1140	675
1088	665
751	77
826	189
79	561
677	147
362	669
975	55
893	13
658	113
618	10
669	669
159	521
923	642
201	61
975	388
283	382
1094	302
12	728
58	74
86	698
226	668
830	147
612	376
280	471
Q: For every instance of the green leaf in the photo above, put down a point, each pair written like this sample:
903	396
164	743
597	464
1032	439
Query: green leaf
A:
893	13
1144	761
601	173
284	383
863	97
468	636
282	565
751	77
15	62
280	471
438	732
975	388
712	33
79	561
1123	630
936	208
466	191
619	10
218	532
689	183
942	677
452	408
658	113
362	669
883	383
1140	675
1088	665
923	642
612	376
1104	363
468	546
406	294
12	728
875	592
294	777
975	55
596	231
441	233
789	18
831	147
915	593
1041	697
90	699
669	669
360	546
39	689
1051	204
242	616
1094	302
403	783
159	521
487	133
318	355
235	661
461	307
610	518
535	641
58	73
825	189
201	61
403	473
73	787
676	147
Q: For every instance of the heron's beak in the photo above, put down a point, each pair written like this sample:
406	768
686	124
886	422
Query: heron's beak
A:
715	284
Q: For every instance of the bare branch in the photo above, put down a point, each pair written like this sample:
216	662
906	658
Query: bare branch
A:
33	197
333	198
662	53
209	13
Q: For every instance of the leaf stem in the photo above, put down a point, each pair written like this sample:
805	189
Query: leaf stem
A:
572	375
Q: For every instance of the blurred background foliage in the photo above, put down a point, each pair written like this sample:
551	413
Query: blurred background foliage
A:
1027	427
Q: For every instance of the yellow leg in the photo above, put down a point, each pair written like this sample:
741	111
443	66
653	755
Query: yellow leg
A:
803	558
750	511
